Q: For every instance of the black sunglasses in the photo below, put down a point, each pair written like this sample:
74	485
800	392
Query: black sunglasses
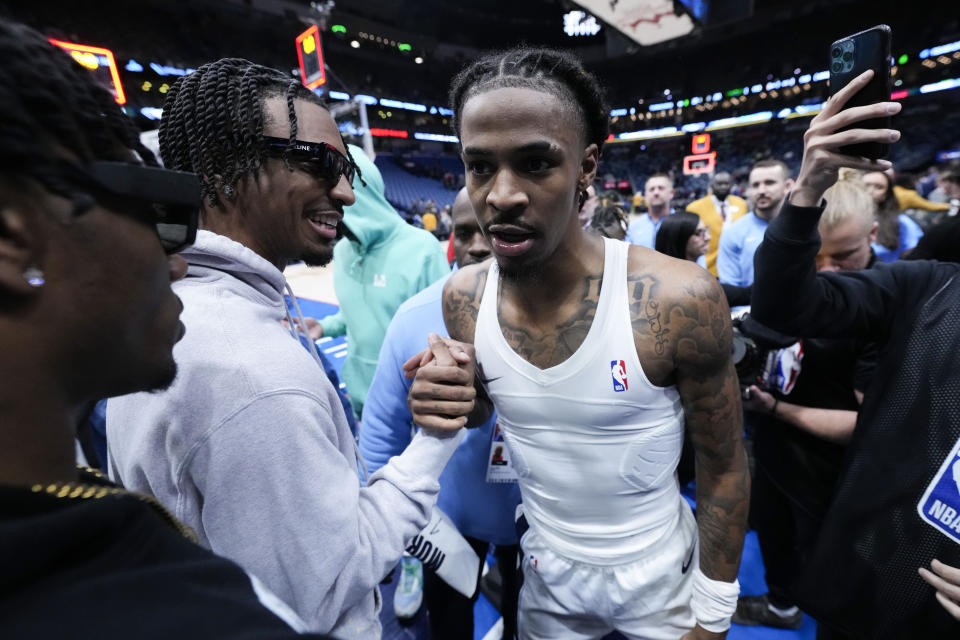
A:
319	159
168	200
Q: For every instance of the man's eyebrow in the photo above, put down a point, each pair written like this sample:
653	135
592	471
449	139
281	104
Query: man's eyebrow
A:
540	145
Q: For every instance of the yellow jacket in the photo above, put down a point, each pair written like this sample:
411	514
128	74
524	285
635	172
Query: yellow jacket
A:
707	210
910	199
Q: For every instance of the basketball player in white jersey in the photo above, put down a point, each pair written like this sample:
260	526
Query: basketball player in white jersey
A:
596	354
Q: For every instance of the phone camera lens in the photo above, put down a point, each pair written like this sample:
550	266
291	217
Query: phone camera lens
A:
847	56
837	67
836	52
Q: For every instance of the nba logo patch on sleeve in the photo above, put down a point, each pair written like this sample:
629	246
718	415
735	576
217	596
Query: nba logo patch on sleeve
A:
940	505
618	371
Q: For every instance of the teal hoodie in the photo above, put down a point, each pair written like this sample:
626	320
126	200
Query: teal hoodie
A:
373	274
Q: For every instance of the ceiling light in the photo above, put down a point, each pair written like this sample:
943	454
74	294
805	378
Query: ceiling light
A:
354	44
418	60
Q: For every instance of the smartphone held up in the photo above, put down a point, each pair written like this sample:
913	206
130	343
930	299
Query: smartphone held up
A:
849	58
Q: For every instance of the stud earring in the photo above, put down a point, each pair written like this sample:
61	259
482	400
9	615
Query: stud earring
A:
34	277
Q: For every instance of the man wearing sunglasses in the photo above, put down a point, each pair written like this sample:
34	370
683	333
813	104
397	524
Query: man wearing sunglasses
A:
88	242
251	446
370	282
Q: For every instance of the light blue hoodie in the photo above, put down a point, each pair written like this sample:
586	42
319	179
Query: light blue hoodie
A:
478	508
251	448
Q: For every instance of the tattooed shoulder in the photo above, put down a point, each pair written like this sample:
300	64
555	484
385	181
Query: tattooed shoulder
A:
678	313
461	301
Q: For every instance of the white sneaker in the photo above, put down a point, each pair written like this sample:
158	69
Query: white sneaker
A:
409	594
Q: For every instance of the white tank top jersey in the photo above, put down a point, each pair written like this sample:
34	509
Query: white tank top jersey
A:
595	444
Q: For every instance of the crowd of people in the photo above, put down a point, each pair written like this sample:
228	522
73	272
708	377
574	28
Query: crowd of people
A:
545	399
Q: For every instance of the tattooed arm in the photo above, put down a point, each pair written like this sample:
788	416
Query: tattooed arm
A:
700	323
682	329
461	302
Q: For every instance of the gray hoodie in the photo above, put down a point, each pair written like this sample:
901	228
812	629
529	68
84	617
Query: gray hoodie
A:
251	448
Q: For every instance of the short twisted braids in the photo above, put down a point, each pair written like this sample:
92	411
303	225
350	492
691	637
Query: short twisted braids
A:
555	72
213	121
48	101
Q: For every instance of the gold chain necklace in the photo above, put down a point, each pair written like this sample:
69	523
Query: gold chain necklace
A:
86	491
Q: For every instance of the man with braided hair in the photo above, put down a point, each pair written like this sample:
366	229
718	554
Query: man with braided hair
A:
89	234
251	446
595	354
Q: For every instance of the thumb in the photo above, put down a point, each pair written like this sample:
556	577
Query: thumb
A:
441	351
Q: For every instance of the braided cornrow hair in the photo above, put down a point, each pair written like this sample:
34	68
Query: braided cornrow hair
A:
47	101
556	72
213	121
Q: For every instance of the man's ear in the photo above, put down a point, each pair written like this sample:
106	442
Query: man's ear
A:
589	164
872	237
19	249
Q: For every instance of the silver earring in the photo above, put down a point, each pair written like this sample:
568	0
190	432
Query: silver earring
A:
34	277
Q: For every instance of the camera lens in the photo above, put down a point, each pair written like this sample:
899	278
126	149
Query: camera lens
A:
847	56
837	67
836	52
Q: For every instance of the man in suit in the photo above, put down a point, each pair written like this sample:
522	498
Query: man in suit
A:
718	210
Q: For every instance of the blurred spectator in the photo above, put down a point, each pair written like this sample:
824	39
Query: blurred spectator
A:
769	183
610	222
685	236
911	201
929	182
429	221
718	211
588	207
445	224
942	241
896	233
658	193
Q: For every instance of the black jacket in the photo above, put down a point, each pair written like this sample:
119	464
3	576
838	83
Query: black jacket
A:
81	562
863	575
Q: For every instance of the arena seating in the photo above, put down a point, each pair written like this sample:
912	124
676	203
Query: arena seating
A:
403	188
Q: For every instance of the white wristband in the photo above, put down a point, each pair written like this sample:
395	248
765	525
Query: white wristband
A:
713	602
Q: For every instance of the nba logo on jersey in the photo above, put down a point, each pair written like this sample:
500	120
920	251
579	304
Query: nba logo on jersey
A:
940	505
618	371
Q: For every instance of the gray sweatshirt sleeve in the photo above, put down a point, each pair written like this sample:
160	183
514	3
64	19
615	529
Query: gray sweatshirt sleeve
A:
282	499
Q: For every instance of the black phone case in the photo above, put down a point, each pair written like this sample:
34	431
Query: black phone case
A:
870	50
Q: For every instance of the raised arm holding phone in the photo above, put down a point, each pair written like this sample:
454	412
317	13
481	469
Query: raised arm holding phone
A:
896	504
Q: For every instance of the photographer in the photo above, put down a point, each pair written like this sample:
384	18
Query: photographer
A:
799	434
895	503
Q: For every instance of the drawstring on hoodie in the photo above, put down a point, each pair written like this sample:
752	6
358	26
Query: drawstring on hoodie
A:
301	327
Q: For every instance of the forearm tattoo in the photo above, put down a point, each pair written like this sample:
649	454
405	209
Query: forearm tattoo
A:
683	335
